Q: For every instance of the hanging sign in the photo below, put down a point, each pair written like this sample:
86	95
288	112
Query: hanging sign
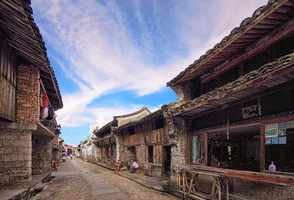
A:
250	111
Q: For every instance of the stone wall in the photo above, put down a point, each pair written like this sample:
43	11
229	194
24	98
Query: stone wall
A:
41	154
15	156
179	144
178	152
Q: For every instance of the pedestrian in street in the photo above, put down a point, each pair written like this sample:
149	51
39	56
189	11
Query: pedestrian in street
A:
54	165
118	166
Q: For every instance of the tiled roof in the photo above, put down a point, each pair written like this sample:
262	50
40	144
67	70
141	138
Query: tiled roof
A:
250	83
23	35
251	29
114	122
144	119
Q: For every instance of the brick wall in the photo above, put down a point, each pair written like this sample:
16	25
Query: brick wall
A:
15	156
27	95
178	155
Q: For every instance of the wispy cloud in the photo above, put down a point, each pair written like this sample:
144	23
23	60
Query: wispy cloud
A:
129	45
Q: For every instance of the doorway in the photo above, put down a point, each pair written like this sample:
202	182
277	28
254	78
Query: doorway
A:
131	153
166	160
150	154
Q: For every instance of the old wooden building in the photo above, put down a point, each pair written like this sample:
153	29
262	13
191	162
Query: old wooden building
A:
232	128
144	140
109	144
29	95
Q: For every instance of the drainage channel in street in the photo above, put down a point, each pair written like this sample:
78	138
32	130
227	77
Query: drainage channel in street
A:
33	190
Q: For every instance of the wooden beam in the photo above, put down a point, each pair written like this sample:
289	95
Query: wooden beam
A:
257	48
188	148
271	21
279	16
285	9
252	36
258	32
289	4
197	68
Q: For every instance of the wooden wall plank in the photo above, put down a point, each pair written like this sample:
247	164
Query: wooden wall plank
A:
144	136
8	83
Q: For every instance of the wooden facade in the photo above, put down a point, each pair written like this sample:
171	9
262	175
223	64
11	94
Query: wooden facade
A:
7	82
144	141
108	142
236	110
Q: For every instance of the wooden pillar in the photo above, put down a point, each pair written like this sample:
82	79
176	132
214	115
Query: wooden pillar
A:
189	149
189	136
262	147
206	148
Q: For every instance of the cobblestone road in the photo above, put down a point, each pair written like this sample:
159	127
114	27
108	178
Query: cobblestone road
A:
78	180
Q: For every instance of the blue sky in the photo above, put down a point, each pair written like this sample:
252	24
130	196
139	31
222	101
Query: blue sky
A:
113	57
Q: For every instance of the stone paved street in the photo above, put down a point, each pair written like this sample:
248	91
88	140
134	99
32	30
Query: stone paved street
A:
78	180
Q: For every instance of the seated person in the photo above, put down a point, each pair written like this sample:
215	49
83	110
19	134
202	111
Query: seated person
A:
134	166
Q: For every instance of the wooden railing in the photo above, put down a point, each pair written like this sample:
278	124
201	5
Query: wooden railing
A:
188	182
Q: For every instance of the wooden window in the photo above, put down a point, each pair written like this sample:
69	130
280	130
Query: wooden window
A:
237	149
158	122
131	130
279	146
7	83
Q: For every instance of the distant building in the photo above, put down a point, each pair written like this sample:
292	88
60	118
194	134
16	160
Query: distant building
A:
88	151
69	149
144	140
108	143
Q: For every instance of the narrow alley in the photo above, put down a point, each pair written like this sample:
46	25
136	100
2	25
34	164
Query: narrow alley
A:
79	180
146	100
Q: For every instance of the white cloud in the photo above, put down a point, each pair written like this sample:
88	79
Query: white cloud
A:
102	54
